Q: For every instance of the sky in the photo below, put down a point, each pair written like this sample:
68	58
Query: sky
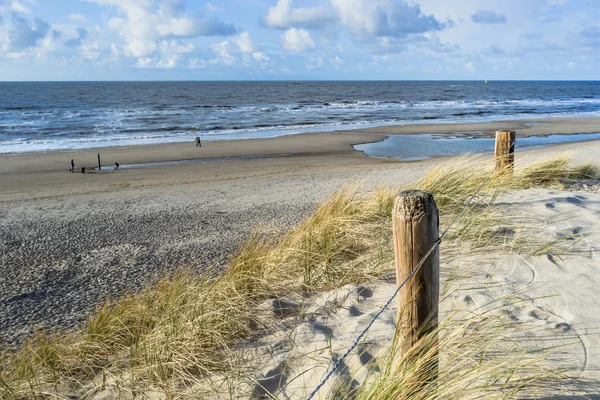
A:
299	40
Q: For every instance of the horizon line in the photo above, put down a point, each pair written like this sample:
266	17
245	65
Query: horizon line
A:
299	80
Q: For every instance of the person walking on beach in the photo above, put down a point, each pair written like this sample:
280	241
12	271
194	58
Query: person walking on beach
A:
198	143
72	166
116	165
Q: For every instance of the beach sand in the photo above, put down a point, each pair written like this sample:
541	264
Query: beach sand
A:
69	241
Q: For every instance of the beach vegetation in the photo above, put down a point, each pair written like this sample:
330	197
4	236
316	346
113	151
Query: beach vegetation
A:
183	331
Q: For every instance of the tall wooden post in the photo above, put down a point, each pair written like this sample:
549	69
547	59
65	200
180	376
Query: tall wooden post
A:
504	153
99	166
415	222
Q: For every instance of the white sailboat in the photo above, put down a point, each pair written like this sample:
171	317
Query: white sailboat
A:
486	81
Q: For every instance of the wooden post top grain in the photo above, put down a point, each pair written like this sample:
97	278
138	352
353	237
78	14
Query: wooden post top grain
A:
414	204
508	136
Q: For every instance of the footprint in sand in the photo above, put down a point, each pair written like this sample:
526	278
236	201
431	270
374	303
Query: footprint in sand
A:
366	358
564	326
346	384
274	380
364	292
354	311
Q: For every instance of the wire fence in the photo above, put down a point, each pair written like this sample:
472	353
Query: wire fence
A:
433	248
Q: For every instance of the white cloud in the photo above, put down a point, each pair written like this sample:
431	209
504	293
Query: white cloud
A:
196	63
283	16
297	40
336	61
77	17
166	63
19	7
236	49
213	7
384	18
91	51
244	42
168	54
469	66
175	47
145	23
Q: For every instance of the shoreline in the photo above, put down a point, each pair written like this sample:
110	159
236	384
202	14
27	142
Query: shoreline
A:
524	127
33	170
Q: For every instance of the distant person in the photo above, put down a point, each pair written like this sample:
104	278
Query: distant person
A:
72	166
83	170
198	142
116	165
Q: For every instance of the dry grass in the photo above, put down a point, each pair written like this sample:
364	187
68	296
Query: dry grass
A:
182	330
477	362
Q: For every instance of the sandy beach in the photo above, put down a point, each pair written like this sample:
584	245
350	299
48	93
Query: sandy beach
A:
69	241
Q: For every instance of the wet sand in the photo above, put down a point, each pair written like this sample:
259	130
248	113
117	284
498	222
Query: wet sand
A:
528	127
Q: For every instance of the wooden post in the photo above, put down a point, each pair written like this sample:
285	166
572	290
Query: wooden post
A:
504	153
99	166
415	223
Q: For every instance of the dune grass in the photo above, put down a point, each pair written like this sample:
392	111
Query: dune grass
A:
183	329
478	363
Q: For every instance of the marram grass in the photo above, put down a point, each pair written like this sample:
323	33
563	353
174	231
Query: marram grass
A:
183	330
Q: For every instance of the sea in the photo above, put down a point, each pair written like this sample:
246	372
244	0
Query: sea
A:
43	116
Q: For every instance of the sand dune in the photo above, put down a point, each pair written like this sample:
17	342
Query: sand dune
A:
548	302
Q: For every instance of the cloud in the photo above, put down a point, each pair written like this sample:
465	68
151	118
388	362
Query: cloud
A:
76	42
283	16
488	17
236	49
19	8
22	34
148	22
385	18
297	40
169	54
213	7
77	17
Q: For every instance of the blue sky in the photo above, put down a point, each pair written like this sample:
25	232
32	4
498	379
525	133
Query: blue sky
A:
299	39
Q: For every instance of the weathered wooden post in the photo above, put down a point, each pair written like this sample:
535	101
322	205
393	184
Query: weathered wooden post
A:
415	223
99	166
504	153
